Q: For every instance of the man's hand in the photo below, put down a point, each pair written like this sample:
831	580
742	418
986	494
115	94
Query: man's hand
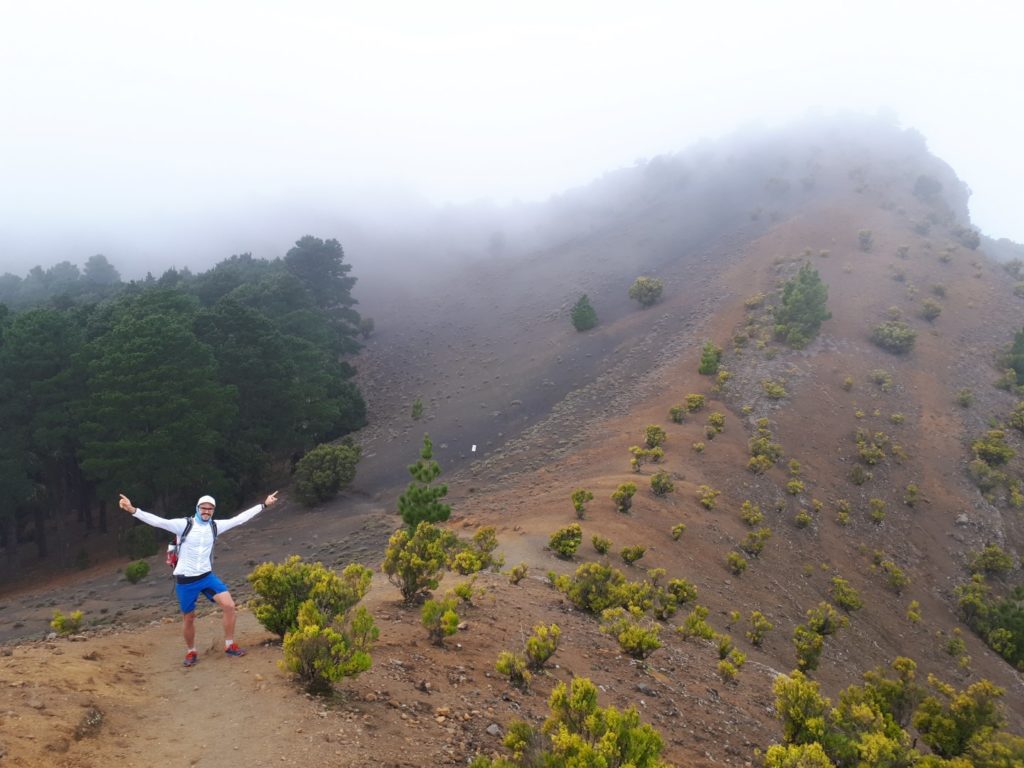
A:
126	504
270	499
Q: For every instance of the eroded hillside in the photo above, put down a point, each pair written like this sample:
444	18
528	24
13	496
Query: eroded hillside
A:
488	347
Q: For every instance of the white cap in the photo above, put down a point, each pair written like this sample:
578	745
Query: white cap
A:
206	500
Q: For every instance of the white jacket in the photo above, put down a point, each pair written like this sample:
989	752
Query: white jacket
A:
194	556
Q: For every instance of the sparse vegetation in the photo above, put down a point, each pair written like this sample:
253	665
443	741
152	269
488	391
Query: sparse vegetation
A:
845	596
930	309
693	402
414	563
583	315
324	649
325	471
137	571
677	414
710	358
736	563
894	336
678	530
773	389
654	436
517	573
580	497
661	484
541	645
566	541
759	628
707	495
631	554
281	589
70	624
440	619
646	290
802	308
601	544
751	513
513	666
865	239
623	497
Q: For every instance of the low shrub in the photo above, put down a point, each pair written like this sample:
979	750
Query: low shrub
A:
638	637
440	619
137	571
894	336
623	497
67	625
759	628
518	573
632	553
541	645
513	667
580	497
845	596
322	651
601	544
736	563
566	541
661	484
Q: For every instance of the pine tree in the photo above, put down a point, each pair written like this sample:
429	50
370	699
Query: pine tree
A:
583	315
710	357
421	500
802	309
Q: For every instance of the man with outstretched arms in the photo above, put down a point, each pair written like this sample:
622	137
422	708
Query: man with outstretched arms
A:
193	573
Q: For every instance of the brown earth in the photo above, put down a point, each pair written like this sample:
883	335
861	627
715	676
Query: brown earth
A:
497	365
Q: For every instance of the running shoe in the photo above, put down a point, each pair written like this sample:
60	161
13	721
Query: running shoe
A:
191	658
234	650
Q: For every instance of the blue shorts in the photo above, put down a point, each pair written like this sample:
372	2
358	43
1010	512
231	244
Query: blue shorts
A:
209	586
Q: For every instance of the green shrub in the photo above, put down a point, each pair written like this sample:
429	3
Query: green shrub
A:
541	645
579	733
414	563
992	448
513	666
646	290
894	336
882	378
1016	419
751	513
809	645
865	239
795	487
323	472
707	495
876	510
583	315
654	436
140	542
716	421
693	402
759	628
775	390
698	447
440	619
802	308
845	596
803	518
566	541
594	587
623	497
753	545
518	573
324	650
678	530
710	358
638	637
137	571
736	563
417	409
580	497
847	384
894	576
695	625
992	561
282	588
67	625
677	414
641	455
661	484
632	553
930	309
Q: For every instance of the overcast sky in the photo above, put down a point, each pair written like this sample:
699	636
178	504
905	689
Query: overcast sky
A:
135	119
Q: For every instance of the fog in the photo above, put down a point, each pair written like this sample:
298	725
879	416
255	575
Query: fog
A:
175	134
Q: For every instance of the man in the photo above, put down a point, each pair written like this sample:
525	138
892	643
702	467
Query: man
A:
193	572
